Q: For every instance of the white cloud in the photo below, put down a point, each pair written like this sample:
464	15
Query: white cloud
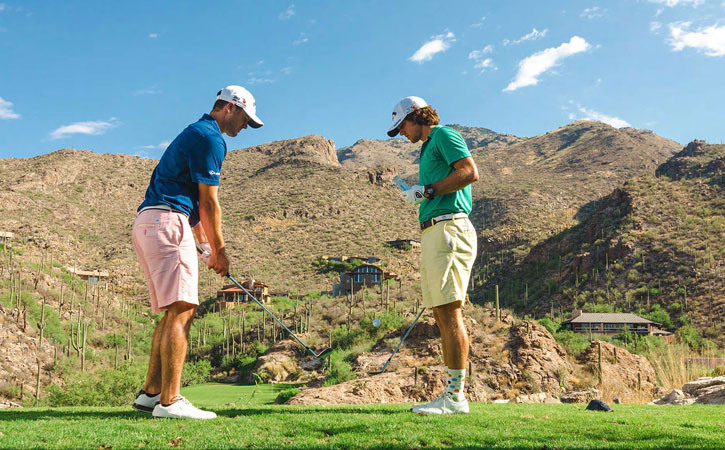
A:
160	146
260	80
286	70
654	27
590	114
153	35
147	91
6	110
673	3
709	40
287	13
532	66
436	44
301	40
478	54
534	35
593	12
483	63
478	24
93	128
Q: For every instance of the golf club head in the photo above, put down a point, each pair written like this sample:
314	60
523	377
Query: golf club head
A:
325	351
376	372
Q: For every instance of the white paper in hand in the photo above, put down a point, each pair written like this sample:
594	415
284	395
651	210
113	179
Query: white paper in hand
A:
401	183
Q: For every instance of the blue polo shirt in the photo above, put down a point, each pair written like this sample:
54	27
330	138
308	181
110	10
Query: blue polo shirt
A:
195	156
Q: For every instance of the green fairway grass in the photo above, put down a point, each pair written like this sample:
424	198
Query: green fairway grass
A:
218	395
371	426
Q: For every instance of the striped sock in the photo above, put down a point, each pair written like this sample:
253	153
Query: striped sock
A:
455	379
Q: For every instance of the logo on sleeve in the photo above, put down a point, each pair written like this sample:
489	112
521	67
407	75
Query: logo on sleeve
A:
211	172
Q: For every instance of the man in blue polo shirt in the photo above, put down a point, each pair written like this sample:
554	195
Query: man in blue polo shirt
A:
181	197
448	240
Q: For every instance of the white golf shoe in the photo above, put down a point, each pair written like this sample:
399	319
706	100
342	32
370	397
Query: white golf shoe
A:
146	403
443	404
181	409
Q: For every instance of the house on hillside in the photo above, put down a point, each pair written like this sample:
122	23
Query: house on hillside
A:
230	295
367	275
92	276
404	244
612	323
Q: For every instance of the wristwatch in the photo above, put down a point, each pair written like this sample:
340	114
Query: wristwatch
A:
429	191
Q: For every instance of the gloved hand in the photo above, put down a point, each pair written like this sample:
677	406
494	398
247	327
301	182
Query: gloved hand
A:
414	195
206	251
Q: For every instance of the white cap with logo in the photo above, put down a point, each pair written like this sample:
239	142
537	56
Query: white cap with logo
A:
244	99
401	111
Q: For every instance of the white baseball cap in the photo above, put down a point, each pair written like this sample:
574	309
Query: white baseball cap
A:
244	99
401	111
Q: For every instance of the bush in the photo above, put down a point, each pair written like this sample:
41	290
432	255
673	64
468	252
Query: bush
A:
340	370
551	325
196	372
286	394
107	387
573	343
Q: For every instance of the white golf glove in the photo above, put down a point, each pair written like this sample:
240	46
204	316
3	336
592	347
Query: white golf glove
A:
206	251
414	195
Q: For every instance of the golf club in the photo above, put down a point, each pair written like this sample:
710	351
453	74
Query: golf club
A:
325	351
377	372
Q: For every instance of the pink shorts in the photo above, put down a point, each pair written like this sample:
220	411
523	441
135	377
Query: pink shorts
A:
167	253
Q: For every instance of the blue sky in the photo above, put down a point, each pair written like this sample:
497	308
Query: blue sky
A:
127	77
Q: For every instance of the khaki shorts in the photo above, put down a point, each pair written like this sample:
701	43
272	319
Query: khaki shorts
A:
167	253
448	250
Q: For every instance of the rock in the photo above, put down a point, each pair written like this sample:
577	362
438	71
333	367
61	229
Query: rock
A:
704	382
581	396
9	404
501	400
541	360
713	395
676	397
617	400
598	405
620	369
541	397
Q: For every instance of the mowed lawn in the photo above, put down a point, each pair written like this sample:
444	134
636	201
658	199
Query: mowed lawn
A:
248	422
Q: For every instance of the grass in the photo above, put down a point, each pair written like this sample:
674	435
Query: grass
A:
371	426
212	395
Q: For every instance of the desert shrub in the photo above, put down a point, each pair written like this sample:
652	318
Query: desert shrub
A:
340	369
388	321
689	335
551	325
106	387
718	371
286	394
196	372
659	315
573	343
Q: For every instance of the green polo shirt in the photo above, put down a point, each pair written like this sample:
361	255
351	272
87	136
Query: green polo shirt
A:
443	147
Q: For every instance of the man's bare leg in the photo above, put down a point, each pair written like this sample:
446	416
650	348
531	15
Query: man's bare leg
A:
153	375
454	338
173	348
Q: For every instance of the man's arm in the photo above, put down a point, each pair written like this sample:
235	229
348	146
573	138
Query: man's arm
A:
464	174
210	214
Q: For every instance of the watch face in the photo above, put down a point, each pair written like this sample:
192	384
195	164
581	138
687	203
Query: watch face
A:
429	190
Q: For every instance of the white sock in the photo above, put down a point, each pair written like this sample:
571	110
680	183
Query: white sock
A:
455	378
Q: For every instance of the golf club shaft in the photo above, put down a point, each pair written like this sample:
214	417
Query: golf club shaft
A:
401	340
271	314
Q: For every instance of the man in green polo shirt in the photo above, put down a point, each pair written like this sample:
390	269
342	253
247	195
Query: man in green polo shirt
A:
448	241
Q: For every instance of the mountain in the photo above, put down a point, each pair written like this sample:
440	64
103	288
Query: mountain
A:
656	240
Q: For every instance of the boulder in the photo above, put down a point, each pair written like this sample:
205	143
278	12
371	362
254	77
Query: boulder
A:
538	357
713	395
692	387
676	397
541	397
581	396
622	371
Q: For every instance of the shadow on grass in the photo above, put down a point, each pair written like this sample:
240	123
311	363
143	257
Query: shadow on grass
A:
35	414
309	410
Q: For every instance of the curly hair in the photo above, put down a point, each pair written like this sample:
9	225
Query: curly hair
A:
424	116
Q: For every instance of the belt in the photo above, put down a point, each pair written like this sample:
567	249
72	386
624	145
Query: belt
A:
444	217
161	207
